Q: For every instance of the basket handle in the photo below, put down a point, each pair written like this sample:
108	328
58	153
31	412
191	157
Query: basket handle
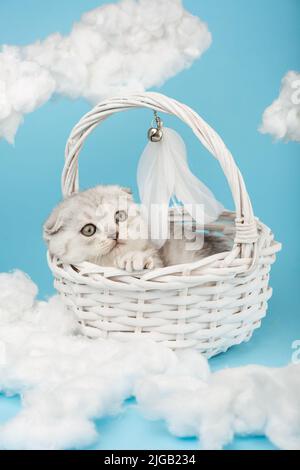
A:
246	226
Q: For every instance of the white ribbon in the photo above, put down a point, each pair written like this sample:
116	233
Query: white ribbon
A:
163	175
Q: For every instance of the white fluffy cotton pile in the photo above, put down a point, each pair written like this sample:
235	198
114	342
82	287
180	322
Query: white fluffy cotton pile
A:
131	45
282	118
66	381
252	400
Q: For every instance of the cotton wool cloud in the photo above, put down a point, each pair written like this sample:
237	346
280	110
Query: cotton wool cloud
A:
282	118
66	381
128	46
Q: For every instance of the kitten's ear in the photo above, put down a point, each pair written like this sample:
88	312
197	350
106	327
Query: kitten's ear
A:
53	224
127	191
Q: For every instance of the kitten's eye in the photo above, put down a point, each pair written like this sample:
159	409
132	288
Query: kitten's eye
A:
120	216
88	230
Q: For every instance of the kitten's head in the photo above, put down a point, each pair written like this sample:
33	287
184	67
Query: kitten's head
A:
90	224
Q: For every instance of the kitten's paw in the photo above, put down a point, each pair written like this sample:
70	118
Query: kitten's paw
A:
153	262
137	261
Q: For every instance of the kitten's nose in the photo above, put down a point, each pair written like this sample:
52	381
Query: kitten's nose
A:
113	235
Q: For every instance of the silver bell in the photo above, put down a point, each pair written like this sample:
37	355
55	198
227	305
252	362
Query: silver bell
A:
155	134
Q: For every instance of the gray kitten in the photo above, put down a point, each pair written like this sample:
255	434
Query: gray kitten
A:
185	245
104	226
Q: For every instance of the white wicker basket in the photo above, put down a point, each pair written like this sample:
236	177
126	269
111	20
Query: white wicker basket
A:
210	304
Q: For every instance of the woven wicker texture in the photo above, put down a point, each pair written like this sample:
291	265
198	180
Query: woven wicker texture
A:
210	304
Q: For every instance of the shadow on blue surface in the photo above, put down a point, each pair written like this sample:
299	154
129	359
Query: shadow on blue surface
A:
9	407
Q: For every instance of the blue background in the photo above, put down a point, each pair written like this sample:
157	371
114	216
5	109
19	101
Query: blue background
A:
254	44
